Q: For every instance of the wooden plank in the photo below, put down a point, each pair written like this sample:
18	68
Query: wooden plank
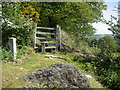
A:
45	38
49	47
47	28
47	43
45	33
51	43
38	43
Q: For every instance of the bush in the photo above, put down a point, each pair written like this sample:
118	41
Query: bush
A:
106	68
23	35
78	58
6	54
21	50
92	42
107	45
110	79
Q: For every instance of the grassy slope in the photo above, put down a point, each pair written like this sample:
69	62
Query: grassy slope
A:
13	72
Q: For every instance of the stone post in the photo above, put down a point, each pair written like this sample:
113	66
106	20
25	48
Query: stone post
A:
13	50
35	35
58	37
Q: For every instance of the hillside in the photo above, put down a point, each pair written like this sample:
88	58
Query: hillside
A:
13	72
98	36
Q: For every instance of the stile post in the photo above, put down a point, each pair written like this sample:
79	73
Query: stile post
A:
35	36
13	50
43	47
58	37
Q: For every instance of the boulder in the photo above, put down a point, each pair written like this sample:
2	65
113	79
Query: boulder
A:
60	75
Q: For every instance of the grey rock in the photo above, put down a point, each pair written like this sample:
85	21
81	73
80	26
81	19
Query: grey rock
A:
61	75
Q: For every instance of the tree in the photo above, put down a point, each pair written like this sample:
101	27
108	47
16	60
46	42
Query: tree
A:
107	45
114	26
74	17
16	23
114	23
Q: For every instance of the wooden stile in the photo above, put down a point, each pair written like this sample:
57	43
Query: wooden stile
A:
46	45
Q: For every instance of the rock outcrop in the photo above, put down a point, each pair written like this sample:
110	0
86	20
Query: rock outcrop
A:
61	75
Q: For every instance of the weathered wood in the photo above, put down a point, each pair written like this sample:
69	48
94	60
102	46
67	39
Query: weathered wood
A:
51	44
13	49
47	28
49	47
45	33
43	47
39	43
45	38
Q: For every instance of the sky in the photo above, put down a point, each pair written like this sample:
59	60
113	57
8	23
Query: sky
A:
102	28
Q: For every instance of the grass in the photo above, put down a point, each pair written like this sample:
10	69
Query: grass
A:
13	72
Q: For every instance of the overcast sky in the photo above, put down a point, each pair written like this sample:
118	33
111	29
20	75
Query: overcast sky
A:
103	28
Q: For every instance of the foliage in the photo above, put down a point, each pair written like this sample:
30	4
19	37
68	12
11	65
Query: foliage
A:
6	54
24	50
11	14
42	85
105	64
14	24
114	26
107	45
23	35
107	70
68	41
21	50
30	12
75	17
92	42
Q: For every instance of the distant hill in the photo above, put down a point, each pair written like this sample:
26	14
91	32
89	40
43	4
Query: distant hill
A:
98	36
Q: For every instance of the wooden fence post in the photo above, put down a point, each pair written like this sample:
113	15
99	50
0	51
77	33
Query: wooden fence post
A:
58	37
13	50
43	47
35	30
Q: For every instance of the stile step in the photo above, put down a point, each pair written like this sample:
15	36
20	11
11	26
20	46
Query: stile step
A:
49	47
45	38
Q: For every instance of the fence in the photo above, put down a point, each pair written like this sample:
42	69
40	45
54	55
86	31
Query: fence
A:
54	35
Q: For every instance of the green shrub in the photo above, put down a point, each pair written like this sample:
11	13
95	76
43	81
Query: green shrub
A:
42	85
21	50
23	35
107	45
78	58
110	79
106	68
6	54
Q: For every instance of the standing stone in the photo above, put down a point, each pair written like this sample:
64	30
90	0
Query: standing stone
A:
13	50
